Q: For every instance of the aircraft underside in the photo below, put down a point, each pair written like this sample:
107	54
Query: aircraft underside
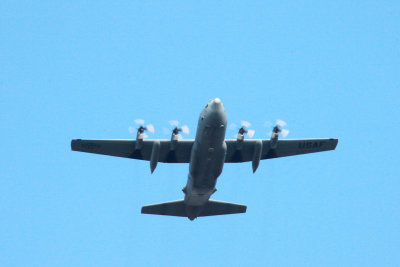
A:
206	156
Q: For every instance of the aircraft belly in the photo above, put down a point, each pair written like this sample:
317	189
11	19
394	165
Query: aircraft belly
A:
207	159
205	167
206	156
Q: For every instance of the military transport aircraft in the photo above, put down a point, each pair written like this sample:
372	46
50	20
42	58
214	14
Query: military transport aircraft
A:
206	155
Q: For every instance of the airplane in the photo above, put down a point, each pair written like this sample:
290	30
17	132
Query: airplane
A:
206	155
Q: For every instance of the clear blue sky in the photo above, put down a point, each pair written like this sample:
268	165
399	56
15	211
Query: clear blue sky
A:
87	69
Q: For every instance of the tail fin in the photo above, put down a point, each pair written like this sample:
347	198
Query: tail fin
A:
179	208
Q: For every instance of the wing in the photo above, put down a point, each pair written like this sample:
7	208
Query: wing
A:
127	149
284	148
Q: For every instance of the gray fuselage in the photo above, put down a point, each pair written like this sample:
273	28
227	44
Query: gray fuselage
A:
207	157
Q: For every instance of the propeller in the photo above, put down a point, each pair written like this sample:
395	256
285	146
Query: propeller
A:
149	127
278	128
244	128
176	130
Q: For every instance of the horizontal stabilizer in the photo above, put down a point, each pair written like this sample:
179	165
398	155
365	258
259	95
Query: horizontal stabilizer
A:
214	207
179	208
172	208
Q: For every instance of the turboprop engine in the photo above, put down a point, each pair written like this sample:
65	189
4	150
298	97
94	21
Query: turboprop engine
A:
276	131
175	136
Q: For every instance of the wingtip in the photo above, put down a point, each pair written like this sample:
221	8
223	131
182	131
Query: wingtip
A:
336	141
75	144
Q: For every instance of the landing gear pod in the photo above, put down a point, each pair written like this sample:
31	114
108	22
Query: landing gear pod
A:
257	154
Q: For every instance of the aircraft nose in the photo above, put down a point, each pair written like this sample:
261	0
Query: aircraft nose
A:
216	103
217	113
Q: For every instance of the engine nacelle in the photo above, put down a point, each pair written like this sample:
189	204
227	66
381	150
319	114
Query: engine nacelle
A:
239	141
274	137
240	138
139	138
174	138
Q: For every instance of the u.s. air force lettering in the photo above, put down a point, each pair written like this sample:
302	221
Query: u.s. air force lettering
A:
311	144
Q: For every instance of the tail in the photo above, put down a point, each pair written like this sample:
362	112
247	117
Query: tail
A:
179	208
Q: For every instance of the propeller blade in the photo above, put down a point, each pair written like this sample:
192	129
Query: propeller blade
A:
166	131
284	132
281	123
233	126
150	128
251	133
139	121
245	124
174	123
131	129
145	135
267	124
185	129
